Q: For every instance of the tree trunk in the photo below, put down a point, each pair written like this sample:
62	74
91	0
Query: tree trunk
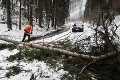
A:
65	52
40	12
8	16
28	10
36	15
31	19
12	4
53	13
20	17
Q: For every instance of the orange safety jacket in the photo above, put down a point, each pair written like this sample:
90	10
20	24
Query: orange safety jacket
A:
28	29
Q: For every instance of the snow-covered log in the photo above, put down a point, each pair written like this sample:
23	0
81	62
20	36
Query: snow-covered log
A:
65	52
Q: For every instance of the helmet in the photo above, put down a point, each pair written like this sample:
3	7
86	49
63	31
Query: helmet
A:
29	26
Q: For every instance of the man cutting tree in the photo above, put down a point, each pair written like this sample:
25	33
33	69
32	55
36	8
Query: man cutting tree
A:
27	31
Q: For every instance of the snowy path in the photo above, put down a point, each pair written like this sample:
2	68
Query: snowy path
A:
71	35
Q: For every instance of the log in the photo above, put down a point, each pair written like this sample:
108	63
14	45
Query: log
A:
65	52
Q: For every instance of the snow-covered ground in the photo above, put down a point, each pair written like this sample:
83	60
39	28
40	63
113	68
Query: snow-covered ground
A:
17	34
39	68
34	66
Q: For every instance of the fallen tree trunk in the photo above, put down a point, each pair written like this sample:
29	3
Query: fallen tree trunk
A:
65	52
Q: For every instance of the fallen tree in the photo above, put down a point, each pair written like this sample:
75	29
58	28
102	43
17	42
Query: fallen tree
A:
65	52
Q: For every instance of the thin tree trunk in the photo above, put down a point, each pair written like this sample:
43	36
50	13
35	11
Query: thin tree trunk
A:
28	10
36	3
40	12
12	4
31	19
9	16
53	13
20	17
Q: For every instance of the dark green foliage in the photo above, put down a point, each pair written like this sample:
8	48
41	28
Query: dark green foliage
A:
3	46
14	70
103	70
62	11
18	56
74	66
106	70
50	57
41	11
91	5
46	10
9	46
53	59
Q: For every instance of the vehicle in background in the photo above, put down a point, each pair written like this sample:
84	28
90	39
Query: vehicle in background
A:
78	27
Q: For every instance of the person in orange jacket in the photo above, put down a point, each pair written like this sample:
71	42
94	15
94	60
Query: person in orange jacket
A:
28	30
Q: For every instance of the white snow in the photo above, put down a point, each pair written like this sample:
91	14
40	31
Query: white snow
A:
34	67
77	9
38	68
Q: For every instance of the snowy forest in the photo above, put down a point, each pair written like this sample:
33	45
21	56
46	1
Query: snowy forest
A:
43	12
55	50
